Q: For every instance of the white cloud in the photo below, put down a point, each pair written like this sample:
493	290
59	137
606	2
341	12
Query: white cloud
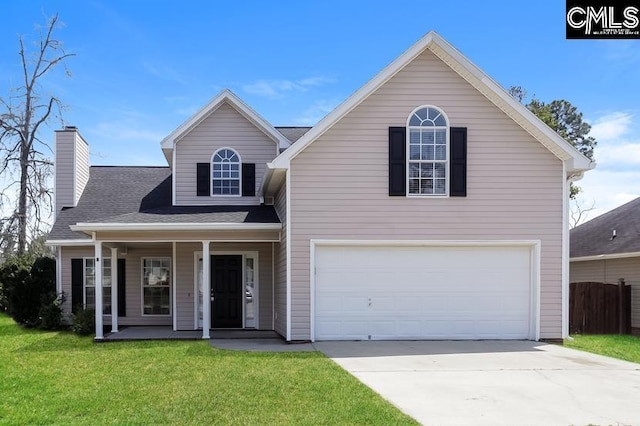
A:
608	189
618	155
611	126
616	179
280	88
315	113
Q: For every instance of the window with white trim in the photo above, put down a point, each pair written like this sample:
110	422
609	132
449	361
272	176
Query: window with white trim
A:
89	287
428	152
225	172
156	286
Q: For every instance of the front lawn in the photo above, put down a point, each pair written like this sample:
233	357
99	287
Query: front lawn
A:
59	378
621	347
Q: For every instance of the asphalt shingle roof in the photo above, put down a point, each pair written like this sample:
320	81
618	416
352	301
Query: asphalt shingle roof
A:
596	236
293	133
116	194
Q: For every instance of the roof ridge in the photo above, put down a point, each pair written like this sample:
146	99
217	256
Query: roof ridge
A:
611	213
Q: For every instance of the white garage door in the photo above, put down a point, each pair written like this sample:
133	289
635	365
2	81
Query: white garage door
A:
383	293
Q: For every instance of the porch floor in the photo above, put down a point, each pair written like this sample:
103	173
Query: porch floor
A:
167	333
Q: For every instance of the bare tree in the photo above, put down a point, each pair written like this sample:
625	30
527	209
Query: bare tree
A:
25	166
579	212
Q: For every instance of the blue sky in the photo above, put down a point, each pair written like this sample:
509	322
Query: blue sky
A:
143	67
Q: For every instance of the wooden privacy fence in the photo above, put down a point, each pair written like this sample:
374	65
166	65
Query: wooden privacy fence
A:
599	308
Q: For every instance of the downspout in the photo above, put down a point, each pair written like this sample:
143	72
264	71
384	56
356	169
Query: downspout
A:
567	180
566	183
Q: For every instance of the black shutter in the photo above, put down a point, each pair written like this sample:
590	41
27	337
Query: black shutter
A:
77	272
397	161
203	179
248	179
458	169
122	288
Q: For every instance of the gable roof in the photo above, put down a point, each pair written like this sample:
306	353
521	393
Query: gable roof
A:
595	238
140	197
576	162
225	96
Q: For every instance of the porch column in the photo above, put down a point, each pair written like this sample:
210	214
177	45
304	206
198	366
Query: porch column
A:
206	290
114	289
98	289
174	285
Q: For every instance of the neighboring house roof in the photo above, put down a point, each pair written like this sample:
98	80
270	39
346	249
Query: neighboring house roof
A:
226	96
142	195
596	237
576	161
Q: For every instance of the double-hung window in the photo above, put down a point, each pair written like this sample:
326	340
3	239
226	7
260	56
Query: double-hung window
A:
428	152
90	284
156	286
225	172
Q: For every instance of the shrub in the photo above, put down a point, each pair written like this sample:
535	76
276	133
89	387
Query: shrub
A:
26	286
84	321
23	303
50	315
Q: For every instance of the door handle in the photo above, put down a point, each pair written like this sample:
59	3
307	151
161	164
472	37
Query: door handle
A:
212	298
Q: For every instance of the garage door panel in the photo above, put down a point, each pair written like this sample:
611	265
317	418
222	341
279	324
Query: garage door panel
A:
422	292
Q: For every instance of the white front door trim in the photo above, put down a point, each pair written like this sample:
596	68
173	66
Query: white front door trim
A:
256	276
534	245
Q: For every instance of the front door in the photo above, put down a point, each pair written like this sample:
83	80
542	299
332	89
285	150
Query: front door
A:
226	291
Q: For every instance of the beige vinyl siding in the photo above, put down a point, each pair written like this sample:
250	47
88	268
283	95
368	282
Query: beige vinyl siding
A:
610	271
339	184
185	284
71	168
225	127
81	166
64	169
280	289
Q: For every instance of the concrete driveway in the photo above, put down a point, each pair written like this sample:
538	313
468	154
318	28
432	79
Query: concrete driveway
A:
495	382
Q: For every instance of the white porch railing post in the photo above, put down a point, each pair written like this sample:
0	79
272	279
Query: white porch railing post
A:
114	289
98	289
206	290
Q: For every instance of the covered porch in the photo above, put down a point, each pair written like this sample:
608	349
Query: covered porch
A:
179	280
168	333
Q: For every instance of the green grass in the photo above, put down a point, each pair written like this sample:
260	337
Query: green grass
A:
59	378
621	347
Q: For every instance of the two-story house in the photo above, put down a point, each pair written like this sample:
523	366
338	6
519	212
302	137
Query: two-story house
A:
428	205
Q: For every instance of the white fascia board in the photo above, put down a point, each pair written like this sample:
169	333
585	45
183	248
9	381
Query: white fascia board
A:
273	179
542	132
225	96
283	160
213	226
470	72
62	243
605	256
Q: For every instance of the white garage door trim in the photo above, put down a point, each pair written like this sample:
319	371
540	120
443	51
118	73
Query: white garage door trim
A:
534	250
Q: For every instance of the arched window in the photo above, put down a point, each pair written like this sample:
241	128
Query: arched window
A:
428	151
225	172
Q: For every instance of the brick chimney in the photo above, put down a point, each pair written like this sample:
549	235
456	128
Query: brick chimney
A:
72	167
